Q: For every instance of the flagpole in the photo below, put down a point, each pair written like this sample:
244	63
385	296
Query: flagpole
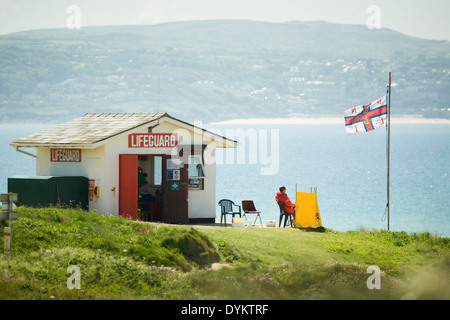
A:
388	147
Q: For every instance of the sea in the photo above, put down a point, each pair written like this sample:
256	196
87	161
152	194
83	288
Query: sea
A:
348	173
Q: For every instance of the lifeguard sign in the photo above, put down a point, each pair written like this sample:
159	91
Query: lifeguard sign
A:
65	155
152	140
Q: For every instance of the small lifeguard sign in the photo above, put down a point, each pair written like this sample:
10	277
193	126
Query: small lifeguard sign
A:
307	214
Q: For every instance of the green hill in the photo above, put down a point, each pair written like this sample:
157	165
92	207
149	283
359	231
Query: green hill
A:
218	69
121	259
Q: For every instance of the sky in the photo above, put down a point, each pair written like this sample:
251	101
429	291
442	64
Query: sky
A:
426	19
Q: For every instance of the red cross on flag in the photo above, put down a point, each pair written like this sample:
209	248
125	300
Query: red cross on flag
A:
366	117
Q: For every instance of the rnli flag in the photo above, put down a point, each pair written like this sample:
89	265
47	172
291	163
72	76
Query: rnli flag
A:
366	117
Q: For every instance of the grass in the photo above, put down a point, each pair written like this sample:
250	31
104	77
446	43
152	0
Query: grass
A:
333	265
122	259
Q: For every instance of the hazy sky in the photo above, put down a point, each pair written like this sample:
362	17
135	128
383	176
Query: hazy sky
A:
420	18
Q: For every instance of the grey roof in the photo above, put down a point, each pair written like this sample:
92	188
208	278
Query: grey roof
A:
90	129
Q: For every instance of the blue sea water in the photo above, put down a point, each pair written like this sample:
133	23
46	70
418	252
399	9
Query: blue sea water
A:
348	171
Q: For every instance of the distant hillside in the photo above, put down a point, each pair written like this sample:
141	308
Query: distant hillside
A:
219	69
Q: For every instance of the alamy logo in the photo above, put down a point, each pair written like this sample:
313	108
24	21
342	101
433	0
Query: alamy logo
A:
74	20
256	147
374	281
74	281
374	19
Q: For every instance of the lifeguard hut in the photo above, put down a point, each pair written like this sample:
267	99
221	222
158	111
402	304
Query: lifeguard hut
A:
148	166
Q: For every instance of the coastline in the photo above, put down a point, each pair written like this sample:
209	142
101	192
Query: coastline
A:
324	120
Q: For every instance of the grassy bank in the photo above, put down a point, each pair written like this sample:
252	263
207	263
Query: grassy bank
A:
121	259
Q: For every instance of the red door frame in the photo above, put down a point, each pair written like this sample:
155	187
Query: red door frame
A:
128	186
174	202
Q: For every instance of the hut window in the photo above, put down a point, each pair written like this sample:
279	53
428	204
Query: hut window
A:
196	169
196	173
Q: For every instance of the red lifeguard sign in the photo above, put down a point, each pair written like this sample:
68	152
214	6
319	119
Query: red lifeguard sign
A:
65	155
152	140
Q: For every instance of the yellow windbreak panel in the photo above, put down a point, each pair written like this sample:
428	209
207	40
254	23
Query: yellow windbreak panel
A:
307	214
